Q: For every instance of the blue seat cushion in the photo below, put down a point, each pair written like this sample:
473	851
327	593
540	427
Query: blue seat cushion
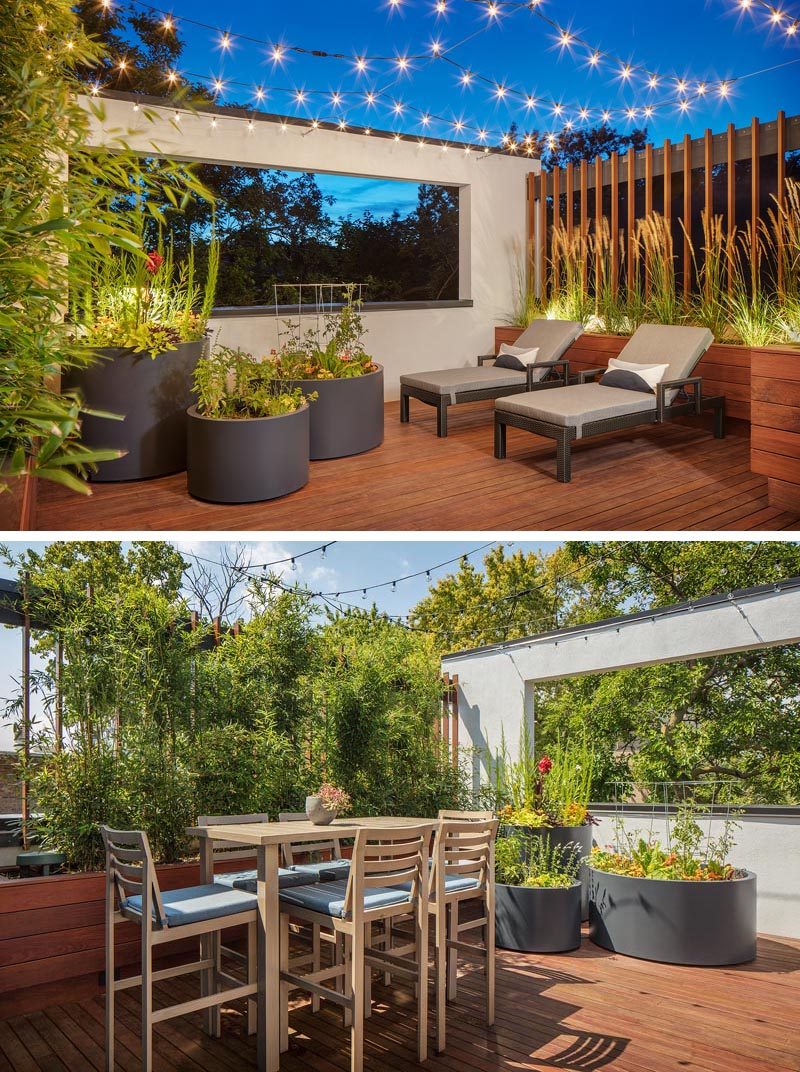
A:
196	903
453	884
324	870
248	880
328	897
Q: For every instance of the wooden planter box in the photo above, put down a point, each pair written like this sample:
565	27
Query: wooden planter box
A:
52	935
775	432
18	503
725	369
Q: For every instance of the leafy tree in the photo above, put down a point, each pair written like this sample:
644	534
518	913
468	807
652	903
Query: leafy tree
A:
573	145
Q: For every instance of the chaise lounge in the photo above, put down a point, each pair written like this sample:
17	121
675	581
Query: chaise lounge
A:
450	387
590	408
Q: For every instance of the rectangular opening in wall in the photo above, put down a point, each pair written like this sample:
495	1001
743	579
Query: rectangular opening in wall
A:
398	238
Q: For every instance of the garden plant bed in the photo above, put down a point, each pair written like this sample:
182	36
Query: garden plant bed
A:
347	416
533	919
701	923
563	835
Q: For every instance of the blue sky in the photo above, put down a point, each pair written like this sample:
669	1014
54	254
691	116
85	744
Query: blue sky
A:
347	564
686	38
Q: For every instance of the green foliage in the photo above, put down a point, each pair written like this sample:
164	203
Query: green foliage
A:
335	353
233	384
533	862
51	232
690	856
150	305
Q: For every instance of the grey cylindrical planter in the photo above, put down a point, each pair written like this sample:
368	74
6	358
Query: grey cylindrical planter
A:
249	459
347	417
533	920
674	921
563	835
152	394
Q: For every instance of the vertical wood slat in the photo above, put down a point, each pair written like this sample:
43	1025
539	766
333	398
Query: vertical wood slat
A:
667	180
687	213
584	219
543	234
631	221
614	222
568	183
530	244
755	197
731	216
780	136
708	173
556	221
598	212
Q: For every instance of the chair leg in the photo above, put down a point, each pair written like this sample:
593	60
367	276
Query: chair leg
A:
388	941
452	955
441	977
109	991
346	957
441	419
316	962
404	403
367	973
421	957
284	990
499	438
356	992
147	1000
564	459
252	977
216	1011
490	954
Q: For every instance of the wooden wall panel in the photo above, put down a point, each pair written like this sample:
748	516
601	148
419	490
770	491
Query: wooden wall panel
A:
687	212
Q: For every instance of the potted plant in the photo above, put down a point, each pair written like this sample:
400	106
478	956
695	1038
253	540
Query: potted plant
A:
333	365
537	895
326	804
548	798
145	318
248	432
684	904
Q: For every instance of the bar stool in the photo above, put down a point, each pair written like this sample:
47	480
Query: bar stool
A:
133	893
325	870
388	877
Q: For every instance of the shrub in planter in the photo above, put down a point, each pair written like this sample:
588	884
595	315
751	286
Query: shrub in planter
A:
333	365
145	321
678	905
537	894
248	434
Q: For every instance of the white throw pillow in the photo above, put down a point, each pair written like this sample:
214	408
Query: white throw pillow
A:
651	374
526	356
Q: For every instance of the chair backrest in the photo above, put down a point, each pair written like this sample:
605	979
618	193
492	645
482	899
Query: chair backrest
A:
130	873
392	856
676	345
333	845
467	816
552	337
232	850
463	849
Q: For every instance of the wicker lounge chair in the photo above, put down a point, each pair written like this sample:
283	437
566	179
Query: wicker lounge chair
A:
450	387
588	409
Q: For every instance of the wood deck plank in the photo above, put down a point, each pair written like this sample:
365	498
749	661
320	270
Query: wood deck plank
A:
416	481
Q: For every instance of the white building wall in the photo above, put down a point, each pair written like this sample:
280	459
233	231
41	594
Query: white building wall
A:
493	221
769	846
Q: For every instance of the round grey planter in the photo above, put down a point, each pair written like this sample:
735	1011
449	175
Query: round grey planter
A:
317	813
152	394
532	920
247	460
672	921
563	835
347	417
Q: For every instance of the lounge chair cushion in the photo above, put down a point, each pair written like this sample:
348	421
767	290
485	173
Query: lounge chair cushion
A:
196	903
575	406
454	382
324	870
248	880
328	897
552	337
679	346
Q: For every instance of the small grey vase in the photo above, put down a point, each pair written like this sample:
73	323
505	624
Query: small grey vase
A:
319	815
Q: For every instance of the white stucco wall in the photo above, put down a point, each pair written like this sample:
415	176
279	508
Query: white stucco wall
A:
492	224
496	686
769	846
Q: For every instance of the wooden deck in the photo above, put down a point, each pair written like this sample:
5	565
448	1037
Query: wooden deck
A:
674	476
585	1011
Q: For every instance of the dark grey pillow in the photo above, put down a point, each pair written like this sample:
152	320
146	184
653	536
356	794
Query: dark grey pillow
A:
510	362
628	381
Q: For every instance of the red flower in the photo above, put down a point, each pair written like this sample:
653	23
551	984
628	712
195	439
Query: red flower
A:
545	765
153	262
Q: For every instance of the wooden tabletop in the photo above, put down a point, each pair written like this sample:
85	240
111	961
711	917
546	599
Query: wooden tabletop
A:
303	830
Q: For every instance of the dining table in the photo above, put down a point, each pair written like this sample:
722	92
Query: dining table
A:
266	839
